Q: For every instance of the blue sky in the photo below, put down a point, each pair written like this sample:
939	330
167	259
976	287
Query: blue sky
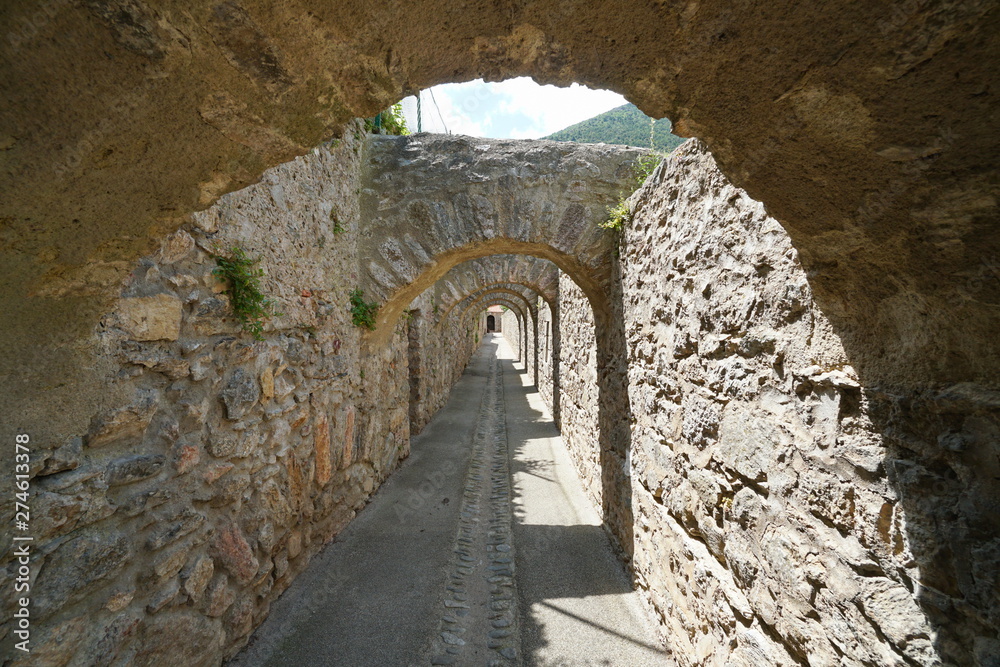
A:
512	109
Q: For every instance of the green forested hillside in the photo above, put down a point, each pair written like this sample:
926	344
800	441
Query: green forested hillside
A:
622	125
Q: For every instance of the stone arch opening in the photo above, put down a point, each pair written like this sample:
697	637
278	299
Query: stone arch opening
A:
528	289
491	324
881	179
599	279
525	305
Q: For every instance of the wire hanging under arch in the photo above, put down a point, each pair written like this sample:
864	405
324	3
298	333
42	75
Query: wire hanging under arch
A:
434	100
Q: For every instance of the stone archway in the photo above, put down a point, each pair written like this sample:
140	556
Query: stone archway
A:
432	202
853	140
539	275
881	179
527	312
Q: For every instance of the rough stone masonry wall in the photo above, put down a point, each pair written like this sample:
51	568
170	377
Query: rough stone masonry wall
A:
522	337
166	526
439	349
511	330
784	513
547	339
578	400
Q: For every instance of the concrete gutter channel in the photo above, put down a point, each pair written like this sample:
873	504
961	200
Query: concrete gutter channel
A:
469	554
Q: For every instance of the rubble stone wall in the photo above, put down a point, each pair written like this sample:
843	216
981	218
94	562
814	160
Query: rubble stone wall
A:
785	512
578	361
220	464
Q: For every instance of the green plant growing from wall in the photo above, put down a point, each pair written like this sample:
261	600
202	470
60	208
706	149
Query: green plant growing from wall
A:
337	227
390	121
249	304
620	214
646	165
363	312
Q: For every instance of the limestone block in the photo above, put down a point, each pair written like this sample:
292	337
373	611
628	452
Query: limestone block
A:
163	597
240	394
321	448
748	444
893	610
182	523
177	246
56	513
151	317
185	456
197	575
169	563
119	599
66	457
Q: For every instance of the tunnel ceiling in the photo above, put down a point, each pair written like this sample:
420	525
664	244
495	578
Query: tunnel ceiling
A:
868	129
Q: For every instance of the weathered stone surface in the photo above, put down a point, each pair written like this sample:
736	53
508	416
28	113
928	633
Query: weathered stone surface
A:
170	563
58	514
119	600
66	457
176	247
133	469
151	318
128	421
163	597
759	455
219	597
185	457
175	528
321	442
196	577
231	549
240	393
76	567
179	637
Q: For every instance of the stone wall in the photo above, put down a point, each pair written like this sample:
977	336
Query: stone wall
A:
578	399
513	333
785	512
521	335
439	348
220	464
548	346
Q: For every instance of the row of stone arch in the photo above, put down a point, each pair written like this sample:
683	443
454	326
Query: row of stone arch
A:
483	222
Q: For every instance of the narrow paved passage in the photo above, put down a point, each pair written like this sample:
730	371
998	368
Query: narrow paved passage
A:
480	550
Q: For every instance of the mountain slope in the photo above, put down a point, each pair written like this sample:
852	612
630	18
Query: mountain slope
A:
622	125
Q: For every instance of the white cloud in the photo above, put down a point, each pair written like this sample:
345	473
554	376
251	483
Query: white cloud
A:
517	108
553	108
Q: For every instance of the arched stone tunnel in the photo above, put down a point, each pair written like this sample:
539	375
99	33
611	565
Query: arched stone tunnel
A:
866	130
